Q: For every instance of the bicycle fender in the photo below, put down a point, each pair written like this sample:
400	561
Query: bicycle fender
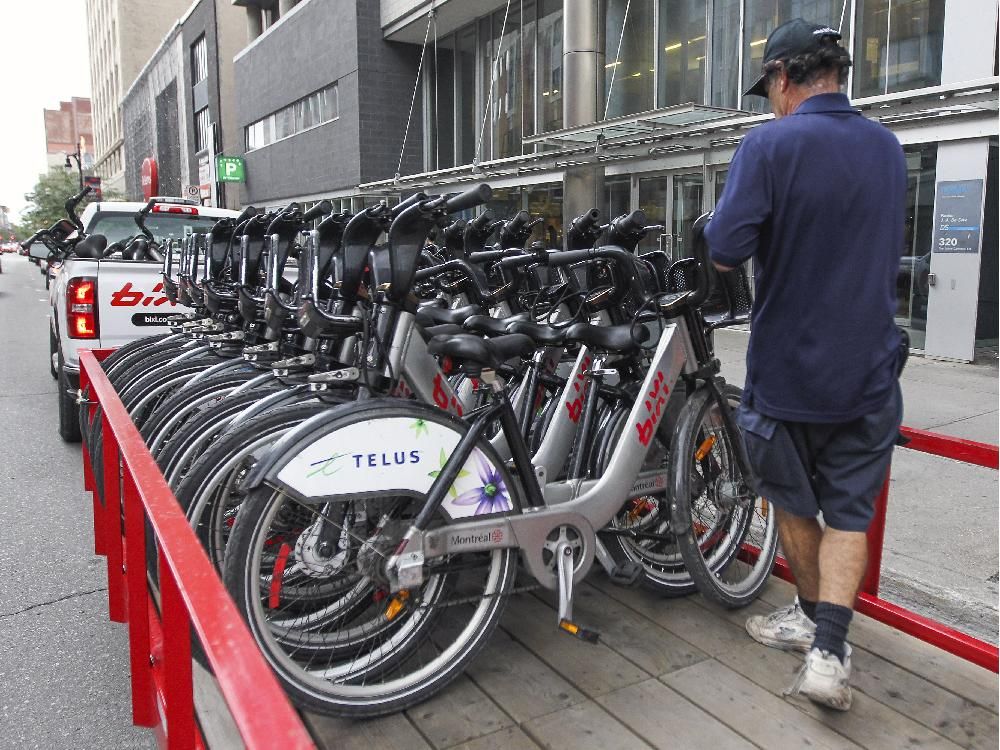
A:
380	446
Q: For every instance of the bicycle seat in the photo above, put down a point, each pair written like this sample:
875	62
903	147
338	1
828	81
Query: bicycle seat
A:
443	329
621	339
542	334
91	246
490	325
673	303
429	316
466	348
137	249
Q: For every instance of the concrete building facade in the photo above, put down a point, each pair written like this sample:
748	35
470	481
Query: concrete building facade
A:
622	104
175	108
121	36
67	129
318	124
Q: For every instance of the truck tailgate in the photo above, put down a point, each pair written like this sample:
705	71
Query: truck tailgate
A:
131	301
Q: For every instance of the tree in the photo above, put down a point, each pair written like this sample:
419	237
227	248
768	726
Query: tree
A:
46	203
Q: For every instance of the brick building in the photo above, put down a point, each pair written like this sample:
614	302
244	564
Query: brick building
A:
64	127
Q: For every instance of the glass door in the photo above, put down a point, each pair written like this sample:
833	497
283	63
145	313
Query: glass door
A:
674	201
912	280
653	201
688	191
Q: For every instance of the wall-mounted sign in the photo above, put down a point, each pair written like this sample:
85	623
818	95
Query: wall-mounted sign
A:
149	178
205	177
958	218
230	169
192	191
94	183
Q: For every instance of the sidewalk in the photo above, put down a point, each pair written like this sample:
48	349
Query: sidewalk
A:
941	534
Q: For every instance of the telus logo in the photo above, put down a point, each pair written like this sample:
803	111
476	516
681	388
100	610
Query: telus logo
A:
396	458
329	466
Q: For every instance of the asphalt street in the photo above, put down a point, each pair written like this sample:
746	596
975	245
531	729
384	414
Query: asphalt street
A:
64	680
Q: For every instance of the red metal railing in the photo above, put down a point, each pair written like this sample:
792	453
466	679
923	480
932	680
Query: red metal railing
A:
869	603
191	595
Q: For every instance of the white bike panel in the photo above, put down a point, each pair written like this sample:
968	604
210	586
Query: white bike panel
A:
396	454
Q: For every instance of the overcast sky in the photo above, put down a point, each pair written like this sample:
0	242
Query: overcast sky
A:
43	60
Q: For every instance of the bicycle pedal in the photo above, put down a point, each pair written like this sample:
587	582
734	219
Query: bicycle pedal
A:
590	636
628	574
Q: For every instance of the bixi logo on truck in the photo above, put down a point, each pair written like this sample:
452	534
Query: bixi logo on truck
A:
129	297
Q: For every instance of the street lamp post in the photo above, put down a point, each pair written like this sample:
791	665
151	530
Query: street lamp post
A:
79	166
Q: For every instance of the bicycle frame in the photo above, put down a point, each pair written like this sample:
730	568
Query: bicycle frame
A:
585	505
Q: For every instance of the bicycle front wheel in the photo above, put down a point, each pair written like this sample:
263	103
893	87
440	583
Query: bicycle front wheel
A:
309	576
729	538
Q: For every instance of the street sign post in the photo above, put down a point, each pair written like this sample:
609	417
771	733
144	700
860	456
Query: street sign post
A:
230	169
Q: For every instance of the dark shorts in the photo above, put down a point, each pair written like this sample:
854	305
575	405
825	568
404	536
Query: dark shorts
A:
834	469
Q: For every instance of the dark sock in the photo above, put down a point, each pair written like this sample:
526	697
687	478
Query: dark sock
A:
832	622
808	607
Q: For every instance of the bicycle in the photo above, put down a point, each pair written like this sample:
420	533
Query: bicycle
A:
344	581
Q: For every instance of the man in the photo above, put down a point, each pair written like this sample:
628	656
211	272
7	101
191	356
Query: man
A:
817	198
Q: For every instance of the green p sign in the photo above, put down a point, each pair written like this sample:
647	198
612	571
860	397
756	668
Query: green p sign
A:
230	169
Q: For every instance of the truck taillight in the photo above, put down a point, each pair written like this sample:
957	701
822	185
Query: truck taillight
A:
162	209
81	308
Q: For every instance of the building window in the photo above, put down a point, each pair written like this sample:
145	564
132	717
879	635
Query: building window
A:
504	58
763	16
898	45
549	66
202	129
439	105
628	51
681	47
465	94
199	61
725	53
319	107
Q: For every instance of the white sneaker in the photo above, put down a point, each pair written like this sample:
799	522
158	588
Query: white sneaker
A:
824	680
787	628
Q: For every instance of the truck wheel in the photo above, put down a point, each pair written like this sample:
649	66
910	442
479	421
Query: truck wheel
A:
69	415
53	354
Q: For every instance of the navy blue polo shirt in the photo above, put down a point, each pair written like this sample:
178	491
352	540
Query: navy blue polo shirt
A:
818	200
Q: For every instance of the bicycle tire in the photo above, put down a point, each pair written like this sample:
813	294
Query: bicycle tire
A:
728	542
171	414
307	685
201	428
663	568
196	492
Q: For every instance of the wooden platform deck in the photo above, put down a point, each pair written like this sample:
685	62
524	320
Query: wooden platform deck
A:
679	673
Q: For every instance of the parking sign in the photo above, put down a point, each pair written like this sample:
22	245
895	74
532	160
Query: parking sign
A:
230	169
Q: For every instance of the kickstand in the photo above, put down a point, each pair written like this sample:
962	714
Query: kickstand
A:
564	565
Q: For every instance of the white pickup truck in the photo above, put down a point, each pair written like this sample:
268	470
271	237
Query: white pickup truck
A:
108	301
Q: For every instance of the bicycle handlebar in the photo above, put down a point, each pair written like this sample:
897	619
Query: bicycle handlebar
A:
633	223
246	214
471	198
320	209
32	239
72	202
405	204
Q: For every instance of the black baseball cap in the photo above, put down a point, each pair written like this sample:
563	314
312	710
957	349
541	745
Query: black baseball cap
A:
795	37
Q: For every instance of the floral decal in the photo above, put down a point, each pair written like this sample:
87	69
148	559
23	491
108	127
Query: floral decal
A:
491	494
442	460
419	428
